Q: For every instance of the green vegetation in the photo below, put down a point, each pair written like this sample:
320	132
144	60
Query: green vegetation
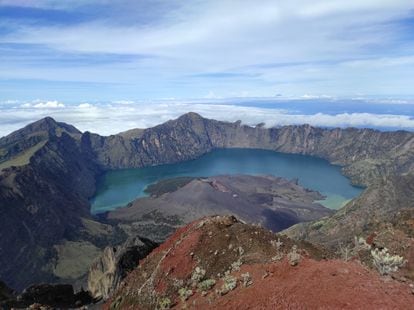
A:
185	293
206	284
95	228
22	158
385	262
198	275
229	284
167	186
74	258
164	303
159	218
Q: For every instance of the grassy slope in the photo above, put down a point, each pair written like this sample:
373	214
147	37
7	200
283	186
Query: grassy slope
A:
22	158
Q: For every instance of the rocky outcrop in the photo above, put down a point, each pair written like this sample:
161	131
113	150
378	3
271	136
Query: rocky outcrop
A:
46	295
107	272
221	263
6	293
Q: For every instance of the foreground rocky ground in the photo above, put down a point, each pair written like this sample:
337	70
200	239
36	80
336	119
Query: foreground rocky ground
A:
221	263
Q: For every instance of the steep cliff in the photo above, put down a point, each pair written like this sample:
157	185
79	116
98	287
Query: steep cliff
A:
108	270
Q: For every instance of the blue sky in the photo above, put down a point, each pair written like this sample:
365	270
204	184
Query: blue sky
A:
148	49
101	52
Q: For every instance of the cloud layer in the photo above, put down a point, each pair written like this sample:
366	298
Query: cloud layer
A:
112	118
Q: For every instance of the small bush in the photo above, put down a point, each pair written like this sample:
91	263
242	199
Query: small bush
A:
276	243
246	279
385	262
206	284
230	283
185	293
293	256
164	303
235	266
198	275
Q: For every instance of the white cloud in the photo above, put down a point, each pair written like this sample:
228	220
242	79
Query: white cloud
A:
125	102
49	105
308	96
110	119
85	105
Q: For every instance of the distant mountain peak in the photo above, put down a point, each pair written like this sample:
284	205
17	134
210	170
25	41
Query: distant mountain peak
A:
191	115
46	125
33	134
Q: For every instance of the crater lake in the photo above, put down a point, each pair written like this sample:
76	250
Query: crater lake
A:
119	187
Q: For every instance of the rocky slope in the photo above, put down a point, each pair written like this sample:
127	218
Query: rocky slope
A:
48	171
383	214
107	271
382	202
221	263
274	203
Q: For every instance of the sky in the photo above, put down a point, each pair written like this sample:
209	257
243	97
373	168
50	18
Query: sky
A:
145	61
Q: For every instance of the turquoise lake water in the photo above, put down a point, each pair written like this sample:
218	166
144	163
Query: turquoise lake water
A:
117	188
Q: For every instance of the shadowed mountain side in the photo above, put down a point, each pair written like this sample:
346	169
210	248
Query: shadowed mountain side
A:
44	205
274	203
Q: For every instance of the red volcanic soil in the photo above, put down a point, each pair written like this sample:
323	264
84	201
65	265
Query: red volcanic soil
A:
311	284
216	244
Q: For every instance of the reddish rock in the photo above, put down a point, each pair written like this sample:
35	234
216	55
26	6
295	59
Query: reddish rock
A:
258	260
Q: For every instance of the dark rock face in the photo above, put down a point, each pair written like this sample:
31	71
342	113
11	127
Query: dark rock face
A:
6	293
46	294
107	272
43	201
56	296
